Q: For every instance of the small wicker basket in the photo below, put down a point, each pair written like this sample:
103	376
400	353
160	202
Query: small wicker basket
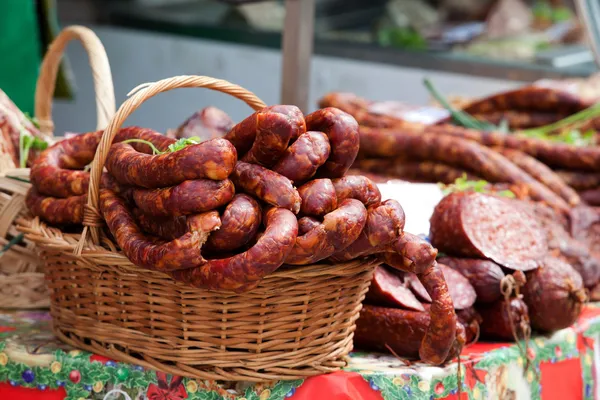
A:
298	322
22	282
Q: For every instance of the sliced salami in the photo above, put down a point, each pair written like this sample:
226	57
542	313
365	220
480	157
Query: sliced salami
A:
476	225
388	290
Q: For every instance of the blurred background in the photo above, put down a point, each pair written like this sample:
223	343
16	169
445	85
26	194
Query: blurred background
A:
379	49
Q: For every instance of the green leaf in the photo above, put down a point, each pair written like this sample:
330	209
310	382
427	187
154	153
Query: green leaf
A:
33	120
460	117
183	142
150	144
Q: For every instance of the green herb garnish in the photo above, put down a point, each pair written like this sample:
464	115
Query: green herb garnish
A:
183	142
28	142
463	184
33	120
460	117
178	145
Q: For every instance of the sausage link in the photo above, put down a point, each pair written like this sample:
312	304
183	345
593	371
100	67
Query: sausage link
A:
529	98
497	318
54	210
240	222
559	155
410	253
305	224
170	228
486	162
342	130
357	187
543	174
415	171
189	197
213	159
244	271
521	119
385	223
591	196
381	329
318	197
147	251
263	137
55	172
484	275
580	180
208	123
339	229
360	109
161	142
438	339
302	159
266	185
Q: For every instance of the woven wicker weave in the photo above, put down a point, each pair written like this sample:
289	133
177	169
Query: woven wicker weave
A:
22	282
298	322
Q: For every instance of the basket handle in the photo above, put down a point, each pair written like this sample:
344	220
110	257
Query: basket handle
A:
91	217
103	84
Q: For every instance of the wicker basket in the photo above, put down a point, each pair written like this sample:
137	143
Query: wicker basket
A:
298	322
22	282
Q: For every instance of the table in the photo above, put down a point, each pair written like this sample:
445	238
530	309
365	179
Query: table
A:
35	365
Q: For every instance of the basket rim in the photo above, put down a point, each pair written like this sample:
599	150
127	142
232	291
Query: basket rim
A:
49	237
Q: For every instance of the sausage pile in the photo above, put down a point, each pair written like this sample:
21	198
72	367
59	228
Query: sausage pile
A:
488	237
227	211
564	177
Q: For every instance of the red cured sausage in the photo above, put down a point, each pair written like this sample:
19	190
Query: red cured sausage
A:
385	223
54	210
554	295
402	331
471	320
357	187
591	196
437	341
387	290
410	253
170	228
497	318
520	119
213	159
481	226
580	180
244	271
69	210
458	152
55	172
240	222
342	130
484	275
305	224
189	197
208	123
339	229
543	174
415	171
318	197
529	98
146	251
266	185
302	159
462	293
263	137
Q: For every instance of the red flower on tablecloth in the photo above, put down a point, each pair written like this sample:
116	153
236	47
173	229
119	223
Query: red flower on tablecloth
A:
7	328
167	391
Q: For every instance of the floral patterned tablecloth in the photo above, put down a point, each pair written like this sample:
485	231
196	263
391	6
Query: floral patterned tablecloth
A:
35	365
